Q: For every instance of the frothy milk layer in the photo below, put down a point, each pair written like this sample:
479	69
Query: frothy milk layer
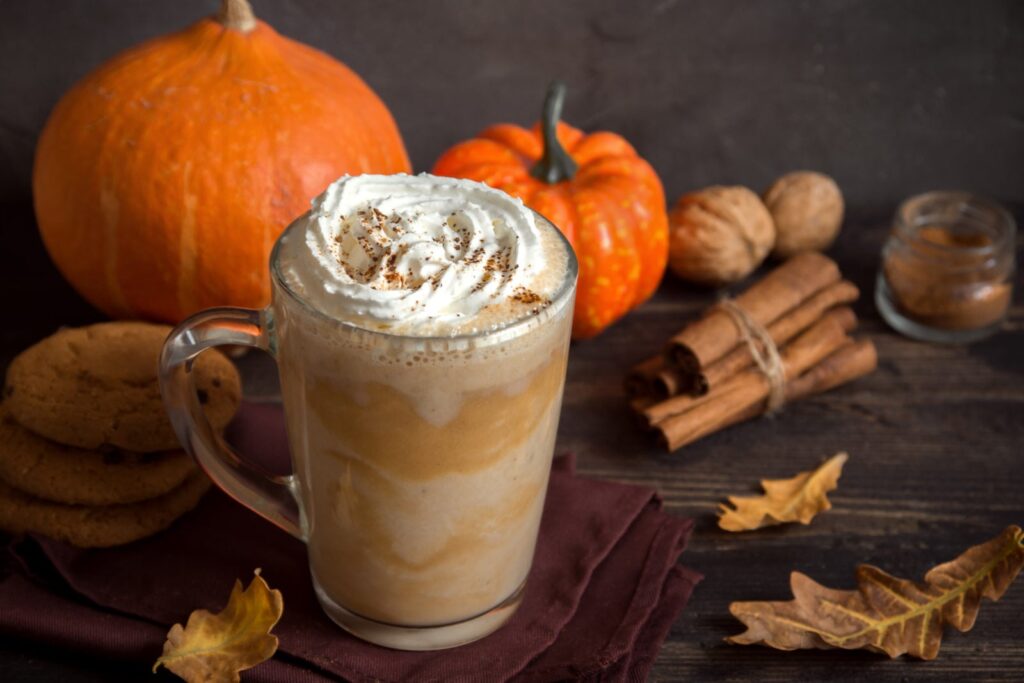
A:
423	256
422	469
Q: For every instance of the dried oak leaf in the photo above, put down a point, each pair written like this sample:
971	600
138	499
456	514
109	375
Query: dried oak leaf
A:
786	500
215	647
885	613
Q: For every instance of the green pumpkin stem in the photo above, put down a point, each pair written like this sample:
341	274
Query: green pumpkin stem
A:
555	165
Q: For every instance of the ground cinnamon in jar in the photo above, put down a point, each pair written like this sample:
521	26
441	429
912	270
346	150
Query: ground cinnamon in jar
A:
947	268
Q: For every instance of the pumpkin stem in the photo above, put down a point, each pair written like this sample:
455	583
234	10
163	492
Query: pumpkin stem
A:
555	165
237	14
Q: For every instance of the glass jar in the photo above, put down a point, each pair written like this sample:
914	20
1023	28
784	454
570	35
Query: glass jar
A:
947	268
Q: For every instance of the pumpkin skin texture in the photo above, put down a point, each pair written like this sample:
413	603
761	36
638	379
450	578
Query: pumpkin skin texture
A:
163	178
611	209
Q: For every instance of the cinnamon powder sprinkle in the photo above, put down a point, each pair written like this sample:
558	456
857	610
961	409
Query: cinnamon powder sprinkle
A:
528	297
497	265
475	256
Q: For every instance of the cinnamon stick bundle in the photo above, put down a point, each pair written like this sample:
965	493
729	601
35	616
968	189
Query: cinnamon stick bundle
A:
749	389
785	338
786	302
656	412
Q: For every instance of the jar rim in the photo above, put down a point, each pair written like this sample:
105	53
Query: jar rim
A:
911	215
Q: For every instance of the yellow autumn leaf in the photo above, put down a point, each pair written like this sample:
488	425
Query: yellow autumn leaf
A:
786	500
886	614
216	647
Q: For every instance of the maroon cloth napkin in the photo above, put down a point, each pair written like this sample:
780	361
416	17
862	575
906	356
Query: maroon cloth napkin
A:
602	594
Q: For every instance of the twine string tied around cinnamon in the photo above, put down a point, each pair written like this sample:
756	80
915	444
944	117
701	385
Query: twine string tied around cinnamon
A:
762	349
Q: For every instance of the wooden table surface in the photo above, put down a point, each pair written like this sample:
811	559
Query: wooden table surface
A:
936	444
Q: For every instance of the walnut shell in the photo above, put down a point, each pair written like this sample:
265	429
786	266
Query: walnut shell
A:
807	208
719	235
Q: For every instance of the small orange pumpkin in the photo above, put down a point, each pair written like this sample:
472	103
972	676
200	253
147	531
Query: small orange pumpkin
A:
163	178
604	198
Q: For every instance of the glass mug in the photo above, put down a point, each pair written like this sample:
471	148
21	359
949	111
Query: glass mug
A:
420	464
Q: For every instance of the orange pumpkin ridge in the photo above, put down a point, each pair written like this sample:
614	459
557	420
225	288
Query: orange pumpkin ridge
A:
605	199
163	177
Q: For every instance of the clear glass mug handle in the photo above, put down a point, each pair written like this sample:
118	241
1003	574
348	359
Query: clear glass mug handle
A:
270	496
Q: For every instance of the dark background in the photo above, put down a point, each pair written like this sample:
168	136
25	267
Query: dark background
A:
890	98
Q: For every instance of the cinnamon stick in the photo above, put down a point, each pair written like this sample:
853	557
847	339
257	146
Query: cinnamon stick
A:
750	387
671	380
848	363
656	378
641	403
843	316
642	377
705	341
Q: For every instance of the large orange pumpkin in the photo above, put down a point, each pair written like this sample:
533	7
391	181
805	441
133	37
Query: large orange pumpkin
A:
607	201
162	178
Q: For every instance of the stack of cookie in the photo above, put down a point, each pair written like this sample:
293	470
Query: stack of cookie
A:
87	453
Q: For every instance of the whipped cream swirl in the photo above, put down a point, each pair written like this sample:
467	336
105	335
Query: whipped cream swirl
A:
418	251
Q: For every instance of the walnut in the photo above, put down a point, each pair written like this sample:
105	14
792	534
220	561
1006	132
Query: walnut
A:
719	235
808	210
